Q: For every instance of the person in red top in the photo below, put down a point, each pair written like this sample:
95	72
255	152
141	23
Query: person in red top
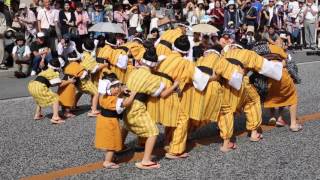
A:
217	14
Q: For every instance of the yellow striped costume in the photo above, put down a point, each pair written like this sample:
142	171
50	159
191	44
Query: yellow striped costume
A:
206	105
89	63
67	94
138	120
246	99
169	36
113	57
43	95
165	111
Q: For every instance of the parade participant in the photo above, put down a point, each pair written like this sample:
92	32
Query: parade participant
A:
205	106
246	99
282	93
108	132
86	86
167	111
67	94
40	90
116	59
138	120
165	42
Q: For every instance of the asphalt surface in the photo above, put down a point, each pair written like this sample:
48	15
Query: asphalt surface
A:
29	148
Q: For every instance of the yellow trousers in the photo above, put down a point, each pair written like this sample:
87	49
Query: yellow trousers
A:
179	137
247	100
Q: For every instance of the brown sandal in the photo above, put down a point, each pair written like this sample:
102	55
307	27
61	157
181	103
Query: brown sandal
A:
180	156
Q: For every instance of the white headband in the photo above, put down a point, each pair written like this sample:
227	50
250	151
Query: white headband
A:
52	67
149	63
179	50
228	47
212	50
110	43
86	49
138	39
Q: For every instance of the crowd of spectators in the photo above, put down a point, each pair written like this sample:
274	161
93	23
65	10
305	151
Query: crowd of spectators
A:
31	34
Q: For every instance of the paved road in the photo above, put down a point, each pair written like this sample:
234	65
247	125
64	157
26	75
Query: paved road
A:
29	148
13	88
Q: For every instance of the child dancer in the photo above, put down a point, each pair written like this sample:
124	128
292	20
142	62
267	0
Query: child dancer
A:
40	90
108	133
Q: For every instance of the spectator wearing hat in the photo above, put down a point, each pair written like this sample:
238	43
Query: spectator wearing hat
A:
310	12
27	20
231	14
21	57
226	39
41	52
67	20
66	46
250	14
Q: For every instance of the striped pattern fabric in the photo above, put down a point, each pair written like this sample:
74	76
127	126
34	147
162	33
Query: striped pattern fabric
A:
40	92
87	86
170	36
250	59
138	119
136	49
88	62
112	55
246	99
165	111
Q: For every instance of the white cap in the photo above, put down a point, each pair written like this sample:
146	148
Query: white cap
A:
126	2
200	2
22	5
40	35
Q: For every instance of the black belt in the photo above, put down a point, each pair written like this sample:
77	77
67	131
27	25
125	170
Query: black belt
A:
43	80
124	48
235	62
206	70
166	43
67	76
110	113
142	97
164	75
100	60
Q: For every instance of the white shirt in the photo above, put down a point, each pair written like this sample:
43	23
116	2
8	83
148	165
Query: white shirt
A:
134	20
293	8
27	50
47	18
309	16
271	12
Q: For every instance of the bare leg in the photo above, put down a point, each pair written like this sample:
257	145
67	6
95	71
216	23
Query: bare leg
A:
151	141
108	160
38	115
56	119
94	103
293	115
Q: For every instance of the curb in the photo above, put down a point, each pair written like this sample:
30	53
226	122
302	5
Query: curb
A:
7	73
